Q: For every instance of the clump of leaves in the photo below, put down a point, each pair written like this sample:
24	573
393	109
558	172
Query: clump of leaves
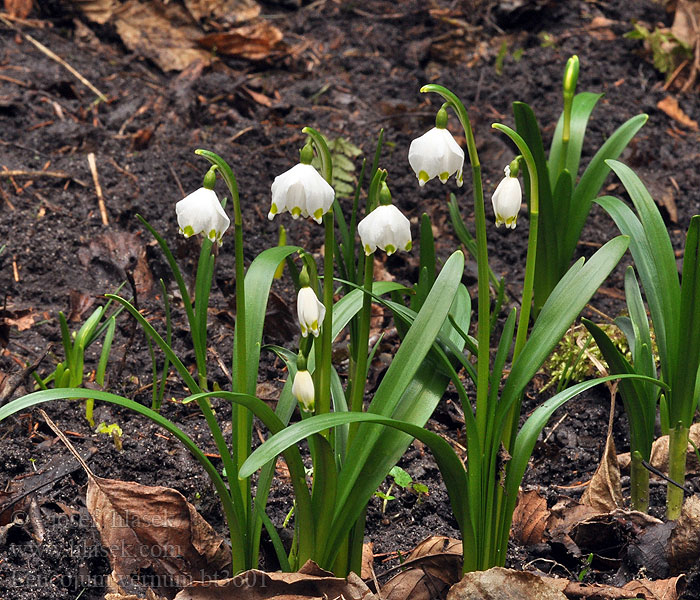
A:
577	357
342	152
667	51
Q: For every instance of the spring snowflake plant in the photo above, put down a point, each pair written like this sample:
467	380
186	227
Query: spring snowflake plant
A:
351	461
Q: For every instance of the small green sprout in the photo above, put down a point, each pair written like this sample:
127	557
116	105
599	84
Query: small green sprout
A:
114	431
404	481
586	568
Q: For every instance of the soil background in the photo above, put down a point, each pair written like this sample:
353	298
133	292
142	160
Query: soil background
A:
352	68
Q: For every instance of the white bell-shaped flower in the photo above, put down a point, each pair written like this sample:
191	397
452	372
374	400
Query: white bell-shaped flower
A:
507	200
303	389
436	154
303	192
310	312
386	228
201	212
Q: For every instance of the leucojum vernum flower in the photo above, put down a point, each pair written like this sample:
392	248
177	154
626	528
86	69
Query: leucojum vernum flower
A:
507	198
201	212
302	191
385	227
436	153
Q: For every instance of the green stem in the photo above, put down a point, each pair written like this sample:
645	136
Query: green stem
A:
242	420
362	349
482	259
677	449
639	484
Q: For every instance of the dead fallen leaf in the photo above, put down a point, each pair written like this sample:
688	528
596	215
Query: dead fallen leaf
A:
163	33
151	527
98	11
668	201
670	106
254	42
684	543
367	566
661	589
505	584
309	583
19	9
659	453
121	251
79	305
431	568
686	21
233	11
604	492
564	515
22	319
648	551
530	518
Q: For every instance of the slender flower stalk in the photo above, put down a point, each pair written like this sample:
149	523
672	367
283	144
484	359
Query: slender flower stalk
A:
240	415
482	259
324	379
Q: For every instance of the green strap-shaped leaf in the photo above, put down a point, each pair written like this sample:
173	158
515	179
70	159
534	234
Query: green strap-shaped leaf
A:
593	178
581	109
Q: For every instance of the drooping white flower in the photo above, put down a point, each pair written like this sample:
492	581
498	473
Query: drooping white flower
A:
201	212
436	154
310	312
507	200
303	389
301	191
386	228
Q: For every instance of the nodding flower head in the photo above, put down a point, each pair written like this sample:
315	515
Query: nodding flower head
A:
310	312
507	200
303	389
303	192
436	154
201	212
385	228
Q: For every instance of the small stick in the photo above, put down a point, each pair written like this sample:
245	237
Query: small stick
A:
15	270
98	188
20	173
58	59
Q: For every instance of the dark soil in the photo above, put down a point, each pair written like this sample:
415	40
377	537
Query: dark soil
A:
360	71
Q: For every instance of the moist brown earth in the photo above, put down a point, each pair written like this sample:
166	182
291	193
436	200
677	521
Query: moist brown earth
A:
355	67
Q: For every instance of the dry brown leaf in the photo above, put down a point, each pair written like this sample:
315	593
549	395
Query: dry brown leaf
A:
686	21
163	33
604	492
596	591
684	543
309	583
19	9
21	319
670	106
505	584
659	452
432	567
530	518
661	589
233	11
367	566
79	304
564	515
98	11
151	527
255	41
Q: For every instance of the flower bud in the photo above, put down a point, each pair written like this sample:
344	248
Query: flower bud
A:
507	200
310	312
303	389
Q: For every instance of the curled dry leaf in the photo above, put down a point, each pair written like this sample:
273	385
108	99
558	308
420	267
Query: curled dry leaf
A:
151	527
367	567
661	589
684	543
98	11
604	492
233	11
310	582
505	584
18	8
530	518
255	41
659	453
670	106
432	567
162	32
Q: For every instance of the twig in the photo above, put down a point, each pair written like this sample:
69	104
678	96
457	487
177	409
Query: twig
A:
98	188
658	473
56	174
14	381
53	56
